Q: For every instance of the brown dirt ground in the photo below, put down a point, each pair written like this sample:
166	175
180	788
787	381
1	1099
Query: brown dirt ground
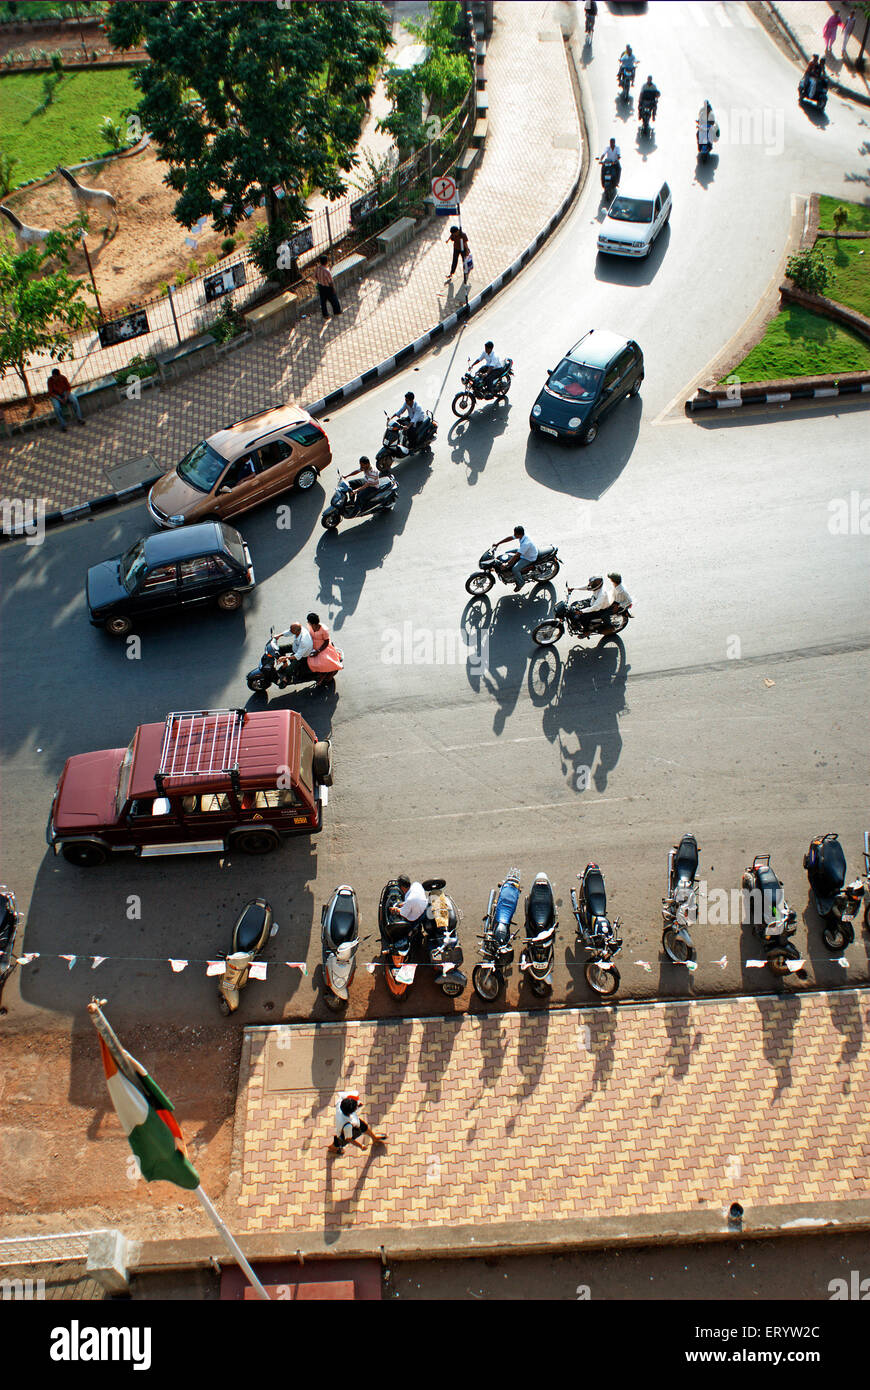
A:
146	250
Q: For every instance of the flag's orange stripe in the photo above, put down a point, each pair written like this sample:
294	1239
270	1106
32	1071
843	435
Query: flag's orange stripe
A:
109	1066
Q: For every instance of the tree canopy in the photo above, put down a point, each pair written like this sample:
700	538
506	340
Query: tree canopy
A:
240	98
39	301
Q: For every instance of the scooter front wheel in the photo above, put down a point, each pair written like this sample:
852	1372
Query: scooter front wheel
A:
451	988
838	938
258	684
330	520
681	951
463	404
487	982
778	959
333	1002
602	981
224	1007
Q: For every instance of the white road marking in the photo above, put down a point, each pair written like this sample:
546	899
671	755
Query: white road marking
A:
697	12
504	810
722	17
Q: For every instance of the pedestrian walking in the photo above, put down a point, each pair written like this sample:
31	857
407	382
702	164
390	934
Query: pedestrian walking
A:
848	26
460	250
350	1125
326	287
60	394
829	33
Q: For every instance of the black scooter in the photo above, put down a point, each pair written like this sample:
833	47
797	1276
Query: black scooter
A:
8	927
396	443
250	934
347	503
277	667
835	900
539	949
595	932
646	112
766	911
610	173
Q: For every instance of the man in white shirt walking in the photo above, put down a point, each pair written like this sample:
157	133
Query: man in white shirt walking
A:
349	1124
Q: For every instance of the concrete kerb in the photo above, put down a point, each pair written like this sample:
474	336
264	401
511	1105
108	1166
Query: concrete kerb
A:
405	354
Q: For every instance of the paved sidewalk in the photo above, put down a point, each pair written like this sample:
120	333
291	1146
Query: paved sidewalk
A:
532	149
565	1120
807	18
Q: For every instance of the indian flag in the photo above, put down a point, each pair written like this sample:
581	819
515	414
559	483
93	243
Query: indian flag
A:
148	1122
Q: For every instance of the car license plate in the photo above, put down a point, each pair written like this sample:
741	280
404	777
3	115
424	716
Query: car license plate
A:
545	429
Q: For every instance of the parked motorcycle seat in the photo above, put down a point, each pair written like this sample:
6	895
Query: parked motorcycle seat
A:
596	896
343	924
250	926
831	870
686	861
506	903
539	912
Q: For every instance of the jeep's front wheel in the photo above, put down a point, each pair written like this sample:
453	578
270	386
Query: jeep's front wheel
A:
85	854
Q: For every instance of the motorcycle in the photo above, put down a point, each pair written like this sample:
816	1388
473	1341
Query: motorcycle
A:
590	24
538	953
546	567
769	915
278	667
595	932
349	503
705	145
835	900
495	389
569	617
646	112
680	907
435	932
496	942
395	443
250	935
625	79
8	926
819	98
339	940
610	174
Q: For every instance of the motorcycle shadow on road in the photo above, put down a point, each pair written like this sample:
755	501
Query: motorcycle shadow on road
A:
471	440
140	914
344	557
316	704
498	638
584	699
625	270
587	472
705	171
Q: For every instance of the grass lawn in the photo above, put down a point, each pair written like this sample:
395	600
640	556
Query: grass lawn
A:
849	266
69	129
859	214
800	343
41	9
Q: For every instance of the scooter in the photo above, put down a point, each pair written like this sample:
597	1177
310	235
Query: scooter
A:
646	112
568	616
680	907
250	935
473	389
435	932
440	938
346	503
705	143
819	98
339	940
835	900
539	949
396	436
496	942
539	571
610	175
590	25
8	927
595	932
766	911
278	667
625	78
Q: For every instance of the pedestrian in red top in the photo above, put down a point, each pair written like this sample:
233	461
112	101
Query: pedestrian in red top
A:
829	33
60	394
460	249
326	288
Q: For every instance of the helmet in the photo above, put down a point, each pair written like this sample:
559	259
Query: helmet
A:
595	582
650	81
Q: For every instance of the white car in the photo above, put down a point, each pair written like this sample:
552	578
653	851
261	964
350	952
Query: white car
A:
633	222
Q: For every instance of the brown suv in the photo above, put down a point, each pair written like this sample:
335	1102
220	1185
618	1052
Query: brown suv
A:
203	780
240	467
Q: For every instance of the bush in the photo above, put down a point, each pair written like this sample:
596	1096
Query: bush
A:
808	271
57	62
228	324
192	268
210	259
228	245
138	366
7	165
265	241
113	133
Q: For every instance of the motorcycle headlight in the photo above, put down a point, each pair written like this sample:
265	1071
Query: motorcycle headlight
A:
575	422
175	520
536	410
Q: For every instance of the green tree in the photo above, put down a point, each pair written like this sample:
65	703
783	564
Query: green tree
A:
242	97
40	305
838	217
444	78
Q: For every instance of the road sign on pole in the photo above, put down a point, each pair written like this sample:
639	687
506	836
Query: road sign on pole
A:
445	195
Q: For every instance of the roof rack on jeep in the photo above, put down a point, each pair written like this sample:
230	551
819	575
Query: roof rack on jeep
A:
200	743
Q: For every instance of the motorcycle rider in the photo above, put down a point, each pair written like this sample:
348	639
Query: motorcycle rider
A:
708	130
416	417
489	366
601	600
519	557
619	596
627	63
611	155
814	75
300	648
365	482
591	11
648	97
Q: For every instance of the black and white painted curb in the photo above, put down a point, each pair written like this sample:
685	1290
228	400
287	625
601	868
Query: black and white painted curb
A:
799	393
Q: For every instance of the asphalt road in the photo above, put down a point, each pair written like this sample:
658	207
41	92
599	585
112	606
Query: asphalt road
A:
736	707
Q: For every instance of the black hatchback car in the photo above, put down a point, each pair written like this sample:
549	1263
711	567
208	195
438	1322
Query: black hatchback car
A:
598	371
194	564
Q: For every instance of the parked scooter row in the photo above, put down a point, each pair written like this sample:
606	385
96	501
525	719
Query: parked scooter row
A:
431	938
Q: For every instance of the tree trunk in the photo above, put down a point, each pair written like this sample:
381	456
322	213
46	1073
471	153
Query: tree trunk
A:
19	368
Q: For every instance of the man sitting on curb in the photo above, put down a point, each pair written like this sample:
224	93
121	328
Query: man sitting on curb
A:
60	394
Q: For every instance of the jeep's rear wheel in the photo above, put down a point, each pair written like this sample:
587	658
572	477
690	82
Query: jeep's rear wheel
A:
322	762
255	841
118	626
85	854
230	602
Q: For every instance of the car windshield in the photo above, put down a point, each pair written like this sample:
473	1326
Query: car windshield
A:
124	778
201	467
631	210
132	565
233	544
574	381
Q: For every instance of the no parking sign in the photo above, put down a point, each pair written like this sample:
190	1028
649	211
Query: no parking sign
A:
444	195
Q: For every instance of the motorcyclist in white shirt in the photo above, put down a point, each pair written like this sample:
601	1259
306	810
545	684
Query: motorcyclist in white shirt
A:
619	596
299	649
489	366
601	600
627	63
519	557
416	417
611	155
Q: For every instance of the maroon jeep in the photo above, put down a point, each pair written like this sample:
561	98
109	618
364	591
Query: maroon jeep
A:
203	780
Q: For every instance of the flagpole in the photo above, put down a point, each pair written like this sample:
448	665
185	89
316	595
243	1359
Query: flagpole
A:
211	1211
